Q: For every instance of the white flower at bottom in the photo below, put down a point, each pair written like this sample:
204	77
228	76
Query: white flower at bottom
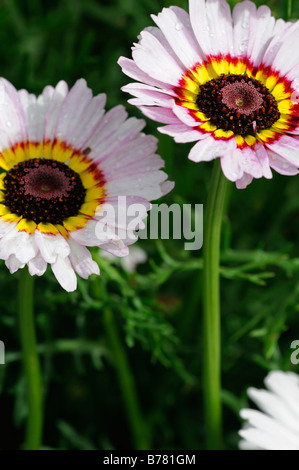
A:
276	426
67	169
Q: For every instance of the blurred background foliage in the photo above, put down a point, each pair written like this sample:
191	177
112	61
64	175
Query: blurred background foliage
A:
122	355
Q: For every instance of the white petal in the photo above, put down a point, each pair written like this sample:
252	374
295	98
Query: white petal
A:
276	407
13	264
179	35
210	148
212	24
231	165
182	133
281	165
55	104
243	182
287	147
35	110
162	115
37	266
79	116
253	30
282	438
130	68
51	246
82	261
13	127
151	57
65	274
20	244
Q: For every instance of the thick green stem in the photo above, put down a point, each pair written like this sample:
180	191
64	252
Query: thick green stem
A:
289	9
138	427
33	437
211	308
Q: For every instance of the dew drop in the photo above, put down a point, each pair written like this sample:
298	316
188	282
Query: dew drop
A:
245	24
8	123
179	26
243	46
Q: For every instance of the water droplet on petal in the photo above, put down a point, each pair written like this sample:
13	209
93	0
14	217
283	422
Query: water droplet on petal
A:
8	123
243	46
245	24
179	26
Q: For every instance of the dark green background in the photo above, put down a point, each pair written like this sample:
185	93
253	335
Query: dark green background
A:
157	311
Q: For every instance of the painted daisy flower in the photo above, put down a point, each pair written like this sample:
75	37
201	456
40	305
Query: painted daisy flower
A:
229	80
63	162
276	427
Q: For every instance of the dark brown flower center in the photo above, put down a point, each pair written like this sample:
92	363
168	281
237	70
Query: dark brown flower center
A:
238	103
43	190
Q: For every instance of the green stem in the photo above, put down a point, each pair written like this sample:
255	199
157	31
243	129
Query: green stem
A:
33	437
211	308
139	429
289	8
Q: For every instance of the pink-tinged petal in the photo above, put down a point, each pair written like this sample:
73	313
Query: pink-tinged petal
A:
287	147
138	154
12	117
281	165
179	36
130	68
286	56
87	235
212	25
88	125
51	246
82	261
118	218
209	148
281	28
146	185
126	133
151	57
243	182
116	248
35	111
37	266
108	127
74	105
65	274
79	116
230	164
166	187
163	115
57	99
148	95
97	233
184	115
182	133
250	163
263	159
20	244
253	30
14	264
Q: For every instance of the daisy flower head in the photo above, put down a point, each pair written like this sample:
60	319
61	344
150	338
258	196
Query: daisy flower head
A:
65	164
276	426
228	81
